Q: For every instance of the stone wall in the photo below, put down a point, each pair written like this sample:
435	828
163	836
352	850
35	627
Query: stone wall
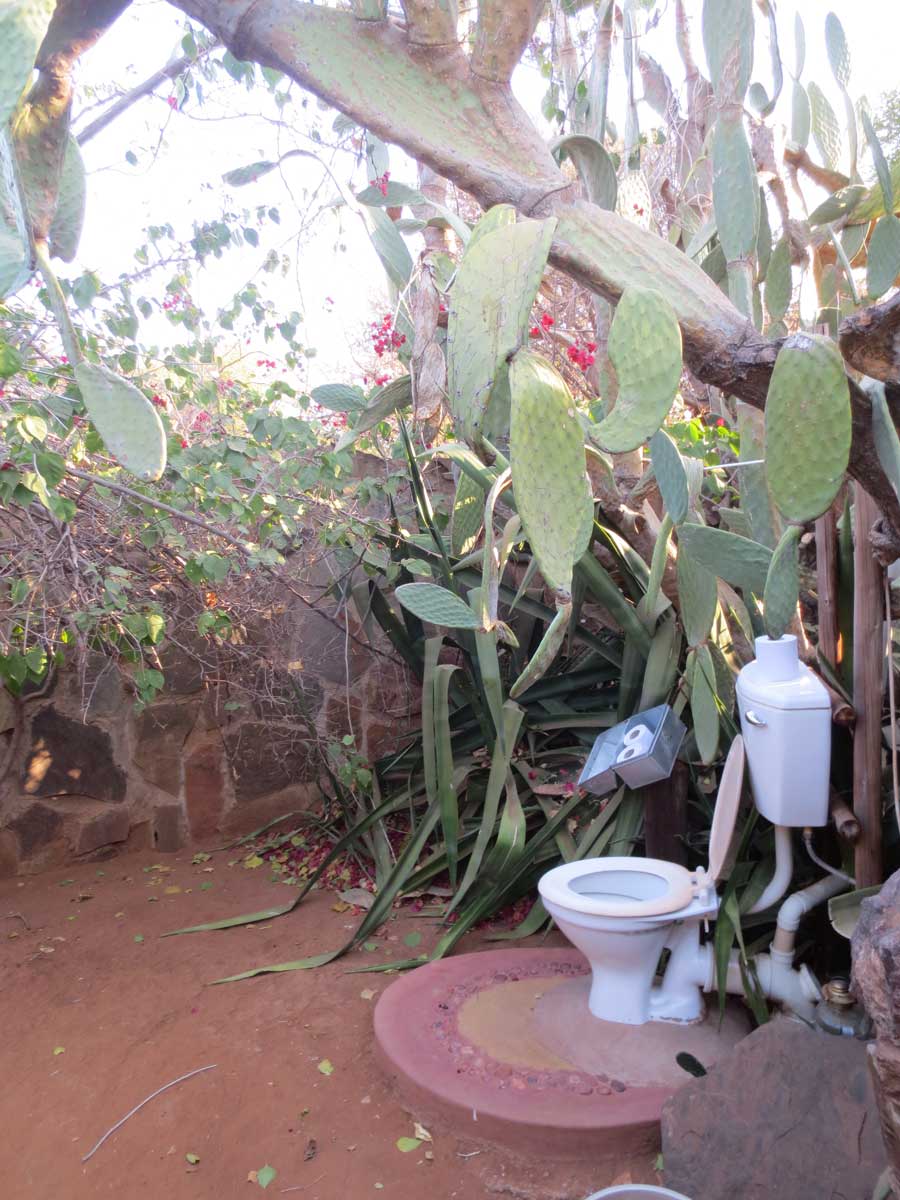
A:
225	748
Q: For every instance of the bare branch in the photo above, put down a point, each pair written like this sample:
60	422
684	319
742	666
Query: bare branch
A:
431	22
171	71
870	340
800	160
504	29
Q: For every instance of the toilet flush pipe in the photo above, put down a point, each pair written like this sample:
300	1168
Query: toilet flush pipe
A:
797	906
784	869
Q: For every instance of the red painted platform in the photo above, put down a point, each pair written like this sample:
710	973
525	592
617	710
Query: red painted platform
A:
500	1047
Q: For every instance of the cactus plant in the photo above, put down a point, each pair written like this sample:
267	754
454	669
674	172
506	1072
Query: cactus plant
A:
23	24
697	594
68	219
645	349
546	453
701	678
490	302
124	418
782	583
437	605
756	500
807	426
546	652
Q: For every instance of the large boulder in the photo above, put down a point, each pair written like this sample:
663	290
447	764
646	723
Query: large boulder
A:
789	1114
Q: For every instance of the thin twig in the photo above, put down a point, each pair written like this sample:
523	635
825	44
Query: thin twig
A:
301	1187
138	1107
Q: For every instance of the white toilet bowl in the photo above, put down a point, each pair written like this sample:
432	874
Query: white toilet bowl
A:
621	913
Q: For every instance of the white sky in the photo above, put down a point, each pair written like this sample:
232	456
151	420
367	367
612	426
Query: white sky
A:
181	183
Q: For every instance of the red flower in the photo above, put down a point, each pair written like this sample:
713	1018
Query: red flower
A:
184	443
720	422
157	401
546	320
172	102
534	331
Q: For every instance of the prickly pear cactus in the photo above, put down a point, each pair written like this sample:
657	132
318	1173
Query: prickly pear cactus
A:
887	444
490	304
68	220
23	24
546	455
437	605
756	500
782	583
497	217
125	419
645	349
546	651
40	136
807	426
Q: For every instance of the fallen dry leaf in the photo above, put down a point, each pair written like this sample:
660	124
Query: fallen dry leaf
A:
366	994
311	1150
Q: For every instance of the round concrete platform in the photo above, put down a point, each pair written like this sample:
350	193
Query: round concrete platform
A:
500	1046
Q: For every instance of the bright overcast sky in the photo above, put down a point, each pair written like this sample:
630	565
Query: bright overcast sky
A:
182	183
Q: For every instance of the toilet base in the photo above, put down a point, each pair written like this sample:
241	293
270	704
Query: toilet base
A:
501	1048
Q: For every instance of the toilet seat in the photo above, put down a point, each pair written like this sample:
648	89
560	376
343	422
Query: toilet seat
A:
651	887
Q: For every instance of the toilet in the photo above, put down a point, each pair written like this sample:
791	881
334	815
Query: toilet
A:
621	913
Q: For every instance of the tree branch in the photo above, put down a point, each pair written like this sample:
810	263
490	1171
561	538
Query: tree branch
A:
171	71
870	340
431	22
504	29
74	27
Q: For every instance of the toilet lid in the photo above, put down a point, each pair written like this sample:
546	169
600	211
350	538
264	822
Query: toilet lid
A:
727	803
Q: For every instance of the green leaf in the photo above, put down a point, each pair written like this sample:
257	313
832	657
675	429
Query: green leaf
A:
412	939
670	475
697	592
438	605
390	247
408	1144
265	1175
325	1067
10	360
593	164
193	1159
736	559
398	194
844	911
241	176
339	397
395	396
882	169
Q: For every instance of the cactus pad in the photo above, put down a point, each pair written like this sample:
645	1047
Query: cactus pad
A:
807	426
883	261
490	303
782	583
645	349
68	220
779	283
736	559
670	475
125	419
756	501
437	605
23	24
546	451
735	193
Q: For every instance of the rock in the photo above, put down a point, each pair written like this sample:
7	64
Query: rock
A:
253	814
322	649
789	1114
182	662
275	694
93	830
162	730
97	692
9	854
876	983
267	758
204	790
67	758
35	828
169	828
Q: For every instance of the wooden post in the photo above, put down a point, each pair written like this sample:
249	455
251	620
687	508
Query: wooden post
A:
868	672
827	581
665	816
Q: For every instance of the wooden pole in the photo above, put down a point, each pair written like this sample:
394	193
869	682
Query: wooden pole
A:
827	581
665	816
868	673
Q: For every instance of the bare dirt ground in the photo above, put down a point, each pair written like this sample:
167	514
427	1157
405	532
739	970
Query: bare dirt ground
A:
97	1012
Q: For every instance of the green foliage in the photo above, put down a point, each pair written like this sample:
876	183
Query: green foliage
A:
124	418
782	583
